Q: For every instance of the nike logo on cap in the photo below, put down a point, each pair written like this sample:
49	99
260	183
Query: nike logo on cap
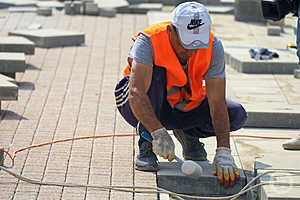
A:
195	23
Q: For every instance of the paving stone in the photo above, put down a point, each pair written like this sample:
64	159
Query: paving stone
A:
248	10
16	44
273	30
239	59
107	12
44	11
171	178
91	8
142	8
12	62
72	7
47	38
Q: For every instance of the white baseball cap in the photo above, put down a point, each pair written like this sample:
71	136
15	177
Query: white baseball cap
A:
192	22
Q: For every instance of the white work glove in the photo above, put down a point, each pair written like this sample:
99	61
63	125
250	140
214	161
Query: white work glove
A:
225	167
163	144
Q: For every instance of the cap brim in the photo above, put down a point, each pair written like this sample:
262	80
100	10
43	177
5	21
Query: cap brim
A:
194	41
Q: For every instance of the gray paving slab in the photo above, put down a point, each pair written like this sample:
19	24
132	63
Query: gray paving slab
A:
107	12
239	59
47	38
170	177
272	156
8	89
44	11
274	30
16	44
12	62
141	8
91	8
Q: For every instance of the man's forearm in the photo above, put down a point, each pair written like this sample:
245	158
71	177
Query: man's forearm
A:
220	120
142	109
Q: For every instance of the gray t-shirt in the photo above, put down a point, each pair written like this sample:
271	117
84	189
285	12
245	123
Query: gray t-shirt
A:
142	52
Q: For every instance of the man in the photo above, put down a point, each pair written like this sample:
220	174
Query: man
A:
175	80
294	144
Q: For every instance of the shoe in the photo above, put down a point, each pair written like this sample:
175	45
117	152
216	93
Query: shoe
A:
293	144
192	148
146	160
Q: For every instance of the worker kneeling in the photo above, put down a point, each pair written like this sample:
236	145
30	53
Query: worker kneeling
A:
175	80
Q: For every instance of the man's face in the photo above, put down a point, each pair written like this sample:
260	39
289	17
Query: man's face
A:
182	53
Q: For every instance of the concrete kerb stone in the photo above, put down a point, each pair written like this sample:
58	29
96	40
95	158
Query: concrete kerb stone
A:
171	178
48	38
240	60
107	12
8	90
16	44
12	62
273	30
91	8
44	11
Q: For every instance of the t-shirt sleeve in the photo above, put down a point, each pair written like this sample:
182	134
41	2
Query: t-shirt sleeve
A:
142	50
217	65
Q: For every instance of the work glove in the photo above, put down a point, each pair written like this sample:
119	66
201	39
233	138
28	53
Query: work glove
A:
163	144
225	167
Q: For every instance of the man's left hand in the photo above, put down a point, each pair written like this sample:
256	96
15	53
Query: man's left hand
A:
225	167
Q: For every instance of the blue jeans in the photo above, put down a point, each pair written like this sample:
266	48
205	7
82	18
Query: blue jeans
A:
195	122
298	36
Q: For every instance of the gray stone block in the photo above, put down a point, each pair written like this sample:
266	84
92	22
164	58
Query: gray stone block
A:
279	23
47	38
107	12
273	119
8	89
73	7
111	3
44	11
16	44
239	59
142	8
91	9
248	10
51	4
297	73
171	178
12	62
273	30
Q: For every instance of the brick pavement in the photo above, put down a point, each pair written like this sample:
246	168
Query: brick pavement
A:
68	92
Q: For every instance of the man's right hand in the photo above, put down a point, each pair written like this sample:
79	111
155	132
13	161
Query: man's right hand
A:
163	144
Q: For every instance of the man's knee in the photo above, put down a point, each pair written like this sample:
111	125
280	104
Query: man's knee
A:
238	117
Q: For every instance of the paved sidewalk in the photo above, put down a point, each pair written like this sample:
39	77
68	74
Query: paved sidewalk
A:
65	93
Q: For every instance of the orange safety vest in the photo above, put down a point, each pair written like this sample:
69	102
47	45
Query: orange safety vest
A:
164	56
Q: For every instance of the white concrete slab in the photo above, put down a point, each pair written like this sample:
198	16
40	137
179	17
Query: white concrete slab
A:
16	44
47	38
51	4
111	3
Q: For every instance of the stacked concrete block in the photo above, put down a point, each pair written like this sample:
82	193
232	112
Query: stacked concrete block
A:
273	30
73	7
51	4
8	89
142	8
107	12
10	63
16	44
91	8
248	10
48	38
44	11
